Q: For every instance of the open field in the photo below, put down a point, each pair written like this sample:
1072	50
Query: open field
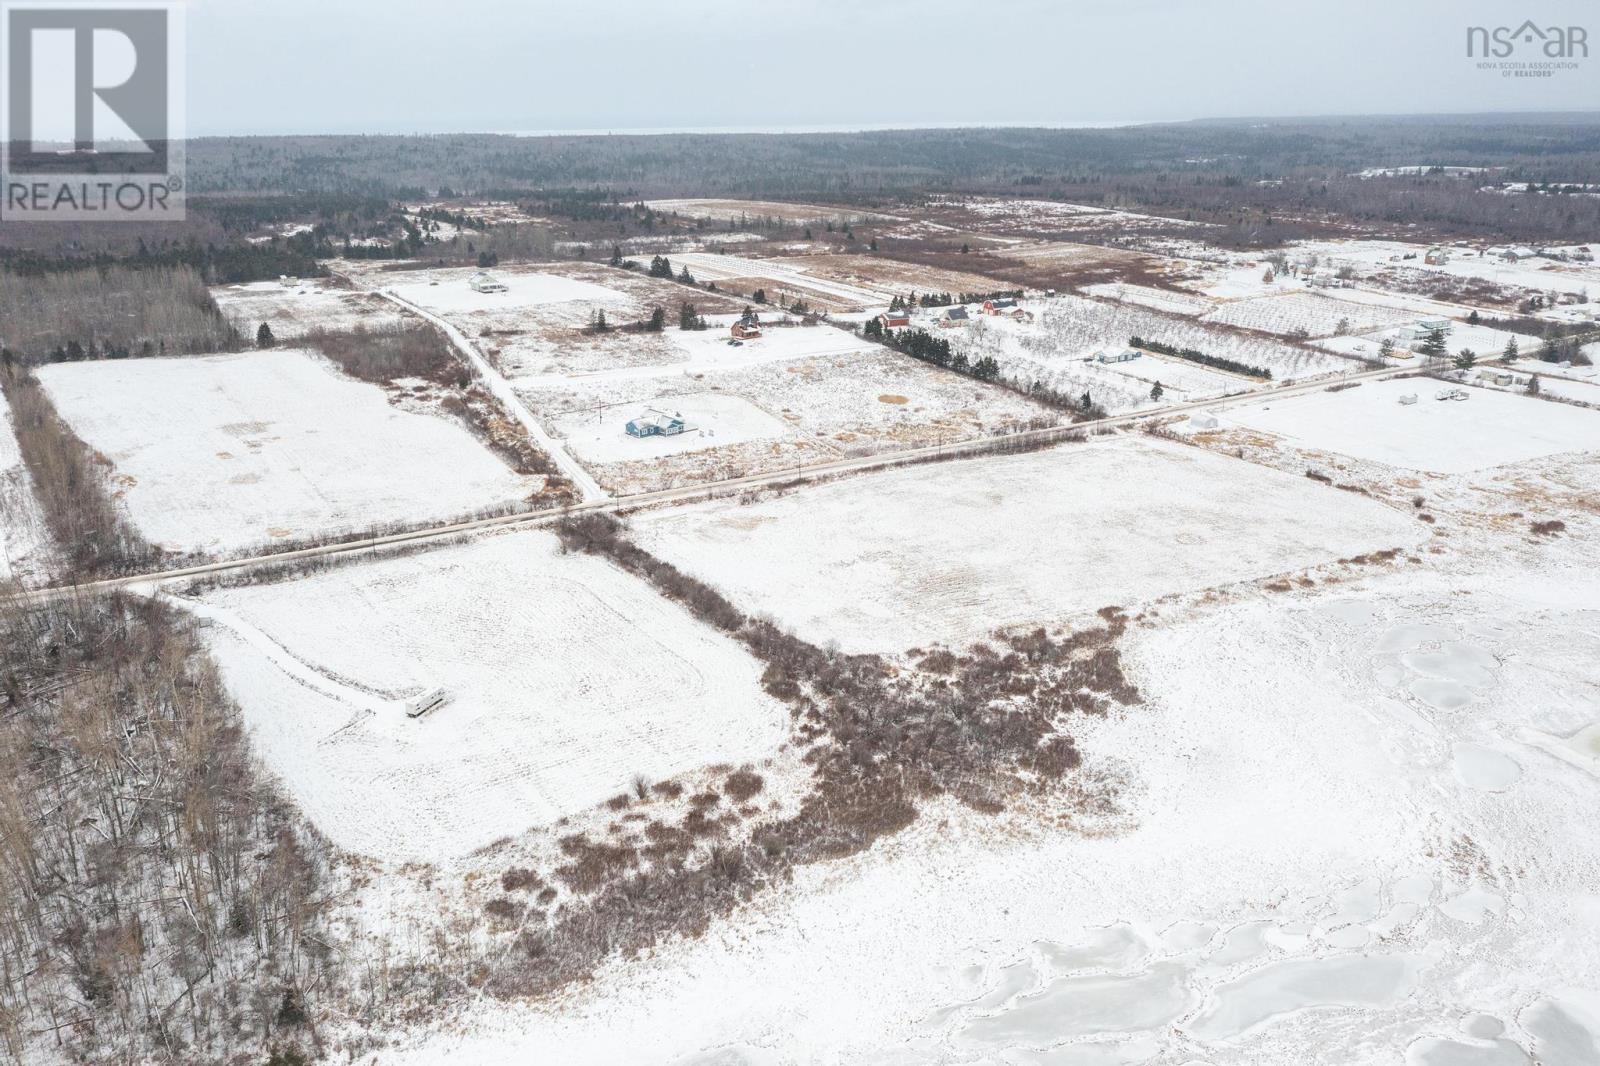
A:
567	679
1490	429
227	452
836	395
1050	218
894	277
544	324
1165	300
291	311
784	281
1322	854
1314	315
755	211
22	532
952	552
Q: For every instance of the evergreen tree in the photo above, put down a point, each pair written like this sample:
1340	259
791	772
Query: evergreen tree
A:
264	337
1433	346
616	255
1155	391
1466	359
1511	353
658	320
1386	349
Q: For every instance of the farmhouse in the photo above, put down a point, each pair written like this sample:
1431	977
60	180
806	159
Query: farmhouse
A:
1422	329
748	328
1019	315
483	282
1127	355
998	307
657	424
956	316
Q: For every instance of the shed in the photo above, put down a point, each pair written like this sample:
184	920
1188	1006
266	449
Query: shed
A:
482	282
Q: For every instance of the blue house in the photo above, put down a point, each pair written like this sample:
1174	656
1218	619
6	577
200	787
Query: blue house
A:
656	425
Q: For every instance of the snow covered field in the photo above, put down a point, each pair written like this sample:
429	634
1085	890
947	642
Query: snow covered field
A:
951	552
447	292
714	421
1318	316
293	311
1340	839
753	210
566	679
1173	303
225	452
22	532
1489	429
1067	330
836	395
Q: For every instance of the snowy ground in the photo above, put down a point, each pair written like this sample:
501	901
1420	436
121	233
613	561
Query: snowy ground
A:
22	532
863	400
226	452
1489	429
714	421
1175	303
294	310
951	552
567	678
1345	837
1317	316
755	210
1067	330
448	292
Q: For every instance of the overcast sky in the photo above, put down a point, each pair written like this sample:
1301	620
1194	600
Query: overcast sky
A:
400	66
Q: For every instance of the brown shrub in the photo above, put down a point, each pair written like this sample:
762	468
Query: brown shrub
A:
741	785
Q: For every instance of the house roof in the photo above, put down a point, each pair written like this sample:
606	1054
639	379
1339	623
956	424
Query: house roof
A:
956	313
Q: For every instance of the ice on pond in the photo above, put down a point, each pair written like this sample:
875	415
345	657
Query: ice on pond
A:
1188	936
1474	906
735	1055
1241	944
1121	1053
1454	661
1438	1051
1485	769
1282	988
1073	1007
1357	613
1409	637
1559	1038
1439	693
1115	947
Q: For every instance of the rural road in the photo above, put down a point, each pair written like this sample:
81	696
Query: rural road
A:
497	384
613	504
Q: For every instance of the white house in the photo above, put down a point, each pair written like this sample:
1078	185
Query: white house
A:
484	282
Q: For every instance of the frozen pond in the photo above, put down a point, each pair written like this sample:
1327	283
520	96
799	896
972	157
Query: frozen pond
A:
1302	984
1087	1006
